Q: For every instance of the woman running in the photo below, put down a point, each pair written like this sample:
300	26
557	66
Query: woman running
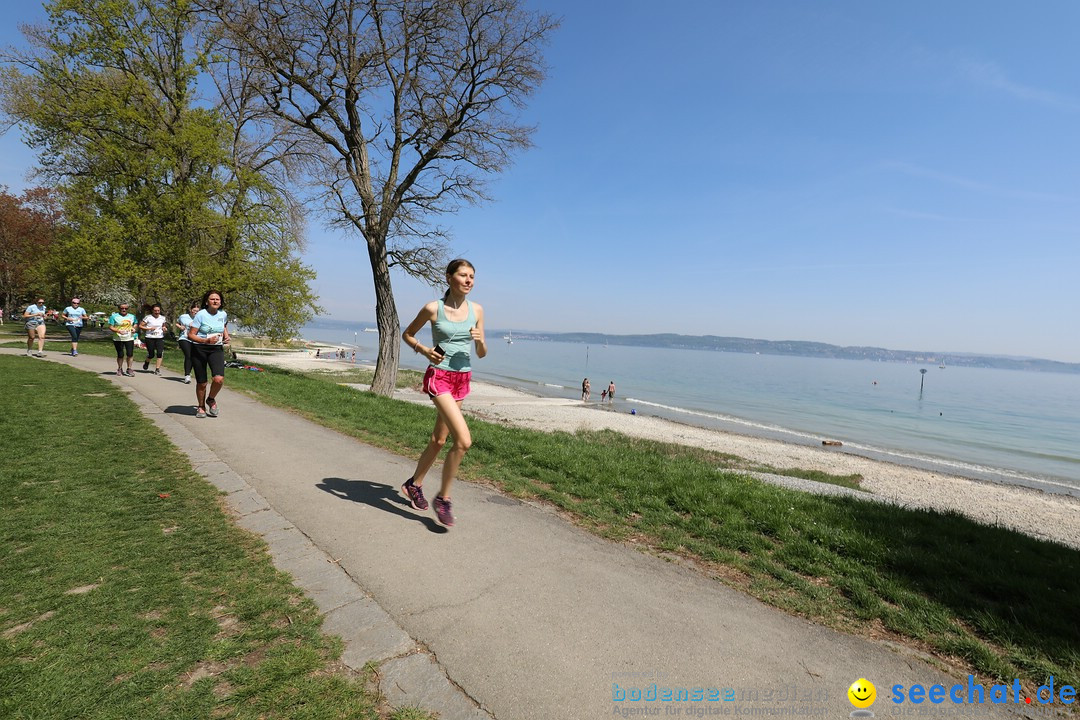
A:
122	326
456	323
74	316
182	342
208	335
153	327
35	327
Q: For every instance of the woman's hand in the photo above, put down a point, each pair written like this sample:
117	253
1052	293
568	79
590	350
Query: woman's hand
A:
433	356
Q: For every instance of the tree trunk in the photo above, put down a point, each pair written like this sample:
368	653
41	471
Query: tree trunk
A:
386	317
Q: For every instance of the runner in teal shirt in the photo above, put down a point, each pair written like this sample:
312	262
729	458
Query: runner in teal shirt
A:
456	324
73	319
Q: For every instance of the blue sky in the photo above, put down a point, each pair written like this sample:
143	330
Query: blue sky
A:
903	175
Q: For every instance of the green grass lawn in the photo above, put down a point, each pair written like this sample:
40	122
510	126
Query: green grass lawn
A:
127	592
981	598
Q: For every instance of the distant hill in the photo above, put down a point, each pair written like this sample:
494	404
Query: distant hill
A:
806	349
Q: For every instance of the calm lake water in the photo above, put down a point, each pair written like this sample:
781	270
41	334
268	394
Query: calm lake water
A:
1000	425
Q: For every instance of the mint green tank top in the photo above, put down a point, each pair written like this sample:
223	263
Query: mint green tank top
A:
454	338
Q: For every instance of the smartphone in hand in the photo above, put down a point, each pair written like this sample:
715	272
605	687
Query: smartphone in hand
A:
439	350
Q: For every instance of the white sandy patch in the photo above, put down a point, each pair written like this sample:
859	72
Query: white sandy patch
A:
302	360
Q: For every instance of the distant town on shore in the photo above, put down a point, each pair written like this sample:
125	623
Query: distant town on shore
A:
806	349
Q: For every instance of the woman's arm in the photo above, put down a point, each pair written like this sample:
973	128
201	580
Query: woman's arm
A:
477	331
427	314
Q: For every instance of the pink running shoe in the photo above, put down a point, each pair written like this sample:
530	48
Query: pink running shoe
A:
415	493
442	512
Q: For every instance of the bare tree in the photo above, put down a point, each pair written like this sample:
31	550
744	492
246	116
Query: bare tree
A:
404	108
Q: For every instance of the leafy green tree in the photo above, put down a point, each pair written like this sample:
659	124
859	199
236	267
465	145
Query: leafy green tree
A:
401	109
156	196
29	226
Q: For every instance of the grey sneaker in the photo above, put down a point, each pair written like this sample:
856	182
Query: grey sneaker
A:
187	379
157	371
211	407
128	373
200	413
442	512
119	372
39	354
415	493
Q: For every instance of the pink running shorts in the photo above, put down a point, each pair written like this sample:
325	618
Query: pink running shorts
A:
442	382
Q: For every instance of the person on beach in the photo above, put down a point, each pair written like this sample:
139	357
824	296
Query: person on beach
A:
209	335
73	320
182	342
610	390
35	327
153	327
456	323
122	326
585	390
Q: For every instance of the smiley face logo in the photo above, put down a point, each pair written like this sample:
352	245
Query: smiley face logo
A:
862	693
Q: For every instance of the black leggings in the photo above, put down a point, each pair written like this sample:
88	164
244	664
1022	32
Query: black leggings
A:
185	347
123	346
208	355
155	347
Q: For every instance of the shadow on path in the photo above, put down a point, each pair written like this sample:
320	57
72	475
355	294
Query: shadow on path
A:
377	495
189	410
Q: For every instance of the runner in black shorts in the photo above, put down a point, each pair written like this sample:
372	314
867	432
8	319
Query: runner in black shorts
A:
153	327
208	336
122	325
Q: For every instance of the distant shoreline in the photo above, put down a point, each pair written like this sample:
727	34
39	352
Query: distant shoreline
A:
798	348
938	463
993	476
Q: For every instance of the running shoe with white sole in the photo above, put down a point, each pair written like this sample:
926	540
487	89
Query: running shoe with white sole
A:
443	513
415	493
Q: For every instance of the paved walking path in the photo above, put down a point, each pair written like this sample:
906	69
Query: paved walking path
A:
514	613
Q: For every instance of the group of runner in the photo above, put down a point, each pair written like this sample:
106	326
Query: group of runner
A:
202	336
456	325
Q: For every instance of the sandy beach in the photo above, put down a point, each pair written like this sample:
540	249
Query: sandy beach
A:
1036	513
